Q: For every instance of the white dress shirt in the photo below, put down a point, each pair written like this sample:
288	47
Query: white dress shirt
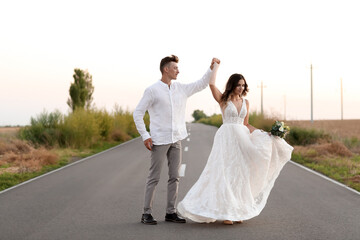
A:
166	107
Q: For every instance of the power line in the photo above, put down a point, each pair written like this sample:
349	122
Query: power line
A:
285	107
342	106
262	97
311	82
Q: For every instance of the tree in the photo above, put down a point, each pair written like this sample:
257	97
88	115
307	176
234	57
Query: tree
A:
81	90
198	114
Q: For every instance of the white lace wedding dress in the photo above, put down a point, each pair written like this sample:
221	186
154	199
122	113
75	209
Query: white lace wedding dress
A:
240	172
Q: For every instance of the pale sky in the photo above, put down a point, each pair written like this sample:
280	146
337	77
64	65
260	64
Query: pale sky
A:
121	44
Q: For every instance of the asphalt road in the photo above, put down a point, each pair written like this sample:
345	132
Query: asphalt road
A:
102	198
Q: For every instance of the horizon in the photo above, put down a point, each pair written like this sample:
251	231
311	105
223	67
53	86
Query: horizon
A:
320	120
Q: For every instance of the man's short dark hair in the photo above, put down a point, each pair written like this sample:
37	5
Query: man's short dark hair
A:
167	60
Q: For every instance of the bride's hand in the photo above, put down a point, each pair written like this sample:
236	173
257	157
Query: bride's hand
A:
214	60
269	133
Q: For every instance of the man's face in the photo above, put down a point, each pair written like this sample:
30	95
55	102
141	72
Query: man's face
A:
172	70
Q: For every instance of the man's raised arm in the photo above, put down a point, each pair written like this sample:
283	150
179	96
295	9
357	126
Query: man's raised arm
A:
201	84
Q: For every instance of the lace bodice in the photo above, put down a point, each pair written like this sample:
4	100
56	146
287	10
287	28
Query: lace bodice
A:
231	115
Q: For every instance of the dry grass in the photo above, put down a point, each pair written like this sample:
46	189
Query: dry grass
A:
324	150
334	148
8	132
17	156
338	128
355	179
14	146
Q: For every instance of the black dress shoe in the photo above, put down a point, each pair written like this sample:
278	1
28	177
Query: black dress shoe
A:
173	217
148	219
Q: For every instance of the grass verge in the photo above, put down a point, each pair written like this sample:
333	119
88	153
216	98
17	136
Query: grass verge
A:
342	169
64	157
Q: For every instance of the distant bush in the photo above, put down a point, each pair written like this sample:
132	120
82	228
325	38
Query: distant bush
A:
124	122
81	128
198	114
44	129
301	136
105	123
214	120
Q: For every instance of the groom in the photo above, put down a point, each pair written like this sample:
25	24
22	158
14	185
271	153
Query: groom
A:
165	101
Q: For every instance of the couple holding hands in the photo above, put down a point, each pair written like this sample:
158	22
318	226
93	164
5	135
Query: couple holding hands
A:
242	166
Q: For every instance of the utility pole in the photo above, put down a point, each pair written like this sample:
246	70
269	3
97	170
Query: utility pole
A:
342	106
284	107
262	97
311	80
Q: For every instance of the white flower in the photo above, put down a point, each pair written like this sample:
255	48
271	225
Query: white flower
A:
281	129
282	123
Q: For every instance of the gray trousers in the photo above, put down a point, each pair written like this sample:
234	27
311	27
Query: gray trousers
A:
171	152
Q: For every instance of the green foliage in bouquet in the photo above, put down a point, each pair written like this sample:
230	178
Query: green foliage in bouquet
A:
279	129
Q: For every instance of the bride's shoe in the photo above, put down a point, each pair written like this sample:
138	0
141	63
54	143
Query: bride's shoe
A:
239	221
228	222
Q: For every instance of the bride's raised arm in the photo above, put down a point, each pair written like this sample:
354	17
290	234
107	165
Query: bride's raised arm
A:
214	90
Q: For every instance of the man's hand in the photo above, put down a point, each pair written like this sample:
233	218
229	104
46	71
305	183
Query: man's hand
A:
214	60
148	143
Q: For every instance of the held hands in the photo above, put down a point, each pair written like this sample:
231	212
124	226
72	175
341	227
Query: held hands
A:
214	60
148	143
214	69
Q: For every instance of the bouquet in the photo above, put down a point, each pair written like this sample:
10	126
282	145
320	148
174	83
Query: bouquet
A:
279	129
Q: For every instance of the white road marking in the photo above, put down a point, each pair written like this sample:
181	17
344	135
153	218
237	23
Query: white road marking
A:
186	149
182	170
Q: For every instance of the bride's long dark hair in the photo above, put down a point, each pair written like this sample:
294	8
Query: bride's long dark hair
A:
231	85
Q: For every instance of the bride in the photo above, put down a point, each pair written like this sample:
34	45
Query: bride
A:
242	166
